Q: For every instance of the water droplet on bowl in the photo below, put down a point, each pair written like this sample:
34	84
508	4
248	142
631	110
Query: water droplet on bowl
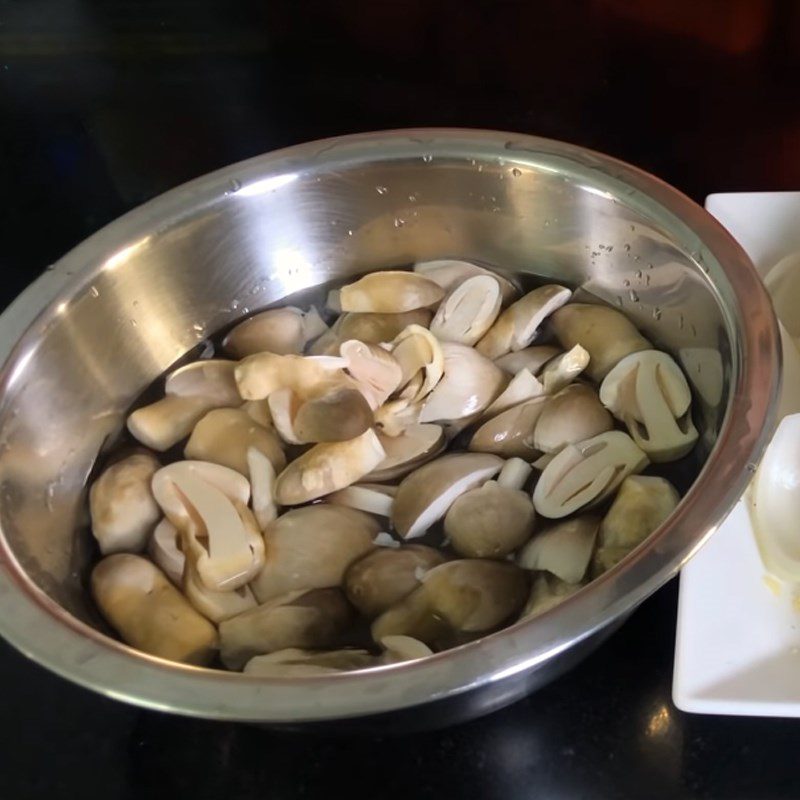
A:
381	189
427	158
398	223
234	184
516	172
634	297
95	291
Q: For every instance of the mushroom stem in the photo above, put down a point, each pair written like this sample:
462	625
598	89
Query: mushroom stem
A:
365	498
262	487
514	474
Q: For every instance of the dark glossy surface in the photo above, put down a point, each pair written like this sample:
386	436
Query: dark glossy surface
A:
104	105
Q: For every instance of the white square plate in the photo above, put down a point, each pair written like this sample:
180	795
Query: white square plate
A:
737	648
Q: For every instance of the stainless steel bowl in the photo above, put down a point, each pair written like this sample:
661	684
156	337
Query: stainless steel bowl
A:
86	338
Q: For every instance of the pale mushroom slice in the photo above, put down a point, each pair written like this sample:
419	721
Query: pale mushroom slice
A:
311	548
337	416
283	331
572	415
511	433
259	375
390	292
649	393
385	576
327	467
283	405
530	358
368	328
210	378
641	505
523	386
149	613
416	445
403	648
468	311
425	495
607	334
585	473
470	383
395	417
563	549
421	359
307	620
164	423
166	551
216	606
258	411
262	486
121	504
375	370
564	369
374	498
547	591
449	273
518	325
224	435
294	662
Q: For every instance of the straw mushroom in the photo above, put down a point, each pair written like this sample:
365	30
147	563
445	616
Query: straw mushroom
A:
403	648
547	591
165	549
449	274
311	548
390	292
376	371
563	369
563	549
164	423
572	415
262	485
421	359
530	358
216	606
425	495
468	311
416	445
210	378
122	507
607	334
294	662
374	498
149	613
284	331
585	473
649	393
376	328
523	386
337	416
259	375
385	576
511	433
258	411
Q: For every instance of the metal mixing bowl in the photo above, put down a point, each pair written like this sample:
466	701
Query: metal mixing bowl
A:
85	339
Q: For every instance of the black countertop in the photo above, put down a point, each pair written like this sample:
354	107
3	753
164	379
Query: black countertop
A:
106	104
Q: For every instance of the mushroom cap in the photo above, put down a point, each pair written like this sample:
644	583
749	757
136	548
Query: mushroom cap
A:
511	433
425	495
337	416
530	358
468	311
165	549
374	369
374	328
449	273
259	375
572	415
210	378
278	330
416	445
547	591
403	648
164	423
563	549
216	606
390	292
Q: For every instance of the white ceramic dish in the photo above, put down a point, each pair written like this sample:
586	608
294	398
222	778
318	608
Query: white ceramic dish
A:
737	646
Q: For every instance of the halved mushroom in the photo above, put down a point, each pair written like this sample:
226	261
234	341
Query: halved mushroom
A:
374	498
311	548
606	333
337	416
518	325
260	375
284	331
149	613
511	433
585	473
395	417
563	369
372	328
403	648
385	576
641	505
530	358
458	601
258	411
165	549
390	292
424	497
314	619
210	378
572	415
416	445
122	507
262	485
450	273
327	467
224	435
216	606
294	662
375	370
470	383
564	549
164	423
523	386
547	591
283	405
421	359
468	311
649	393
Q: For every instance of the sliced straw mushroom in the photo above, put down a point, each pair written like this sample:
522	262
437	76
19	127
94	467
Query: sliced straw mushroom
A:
530	358
547	591
337	416
416	445
259	375
395	417
518	325
375	370
258	411
424	497
149	613
403	648
649	393
572	415
606	333
328	467
523	386
449	274
511	433
585	473
311	548
210	378
468	311
470	383
314	619
458	601
421	359
284	331
294	662
164	423
563	369
563	549
122	507
374	498
377	328
224	435
166	551
216	606
385	576
390	292
262	485
641	505
283	405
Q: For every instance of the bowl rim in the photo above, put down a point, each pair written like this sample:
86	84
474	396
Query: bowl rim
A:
47	633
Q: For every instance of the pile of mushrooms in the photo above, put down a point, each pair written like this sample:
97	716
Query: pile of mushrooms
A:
434	457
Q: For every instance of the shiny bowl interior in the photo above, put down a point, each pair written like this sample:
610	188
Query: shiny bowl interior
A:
84	341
